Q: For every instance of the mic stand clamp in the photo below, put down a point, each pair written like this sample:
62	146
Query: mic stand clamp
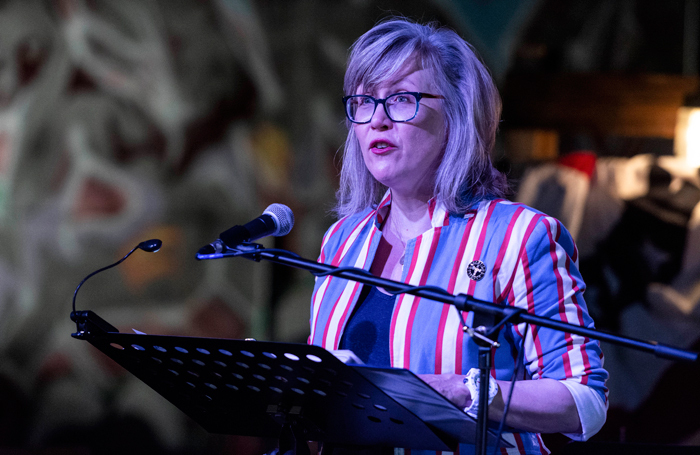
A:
250	250
88	323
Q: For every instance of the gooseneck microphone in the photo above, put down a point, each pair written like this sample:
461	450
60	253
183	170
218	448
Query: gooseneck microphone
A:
150	246
277	220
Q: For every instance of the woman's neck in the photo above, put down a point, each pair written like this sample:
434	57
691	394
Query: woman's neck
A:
409	216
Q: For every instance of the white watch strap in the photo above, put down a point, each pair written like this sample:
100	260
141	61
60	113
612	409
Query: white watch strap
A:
472	381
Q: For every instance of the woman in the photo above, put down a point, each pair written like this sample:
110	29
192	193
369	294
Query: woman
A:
420	202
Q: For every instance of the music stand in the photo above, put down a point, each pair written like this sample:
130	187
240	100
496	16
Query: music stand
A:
294	392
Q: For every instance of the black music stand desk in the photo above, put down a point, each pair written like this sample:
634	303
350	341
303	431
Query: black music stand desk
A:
259	388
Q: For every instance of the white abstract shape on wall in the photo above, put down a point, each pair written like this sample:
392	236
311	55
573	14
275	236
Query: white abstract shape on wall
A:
136	68
34	72
228	168
27	37
247	39
142	199
12	125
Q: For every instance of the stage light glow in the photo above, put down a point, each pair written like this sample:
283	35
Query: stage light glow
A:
687	138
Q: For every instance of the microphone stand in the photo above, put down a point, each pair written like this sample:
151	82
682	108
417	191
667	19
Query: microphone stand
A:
463	302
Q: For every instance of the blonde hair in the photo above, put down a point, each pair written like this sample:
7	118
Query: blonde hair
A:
472	109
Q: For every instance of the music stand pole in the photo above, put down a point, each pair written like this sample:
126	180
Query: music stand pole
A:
483	409
290	442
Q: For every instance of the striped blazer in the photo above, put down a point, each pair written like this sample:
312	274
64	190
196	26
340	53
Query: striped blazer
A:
531	262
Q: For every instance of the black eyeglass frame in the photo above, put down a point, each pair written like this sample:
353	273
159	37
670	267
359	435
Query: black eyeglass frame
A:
382	101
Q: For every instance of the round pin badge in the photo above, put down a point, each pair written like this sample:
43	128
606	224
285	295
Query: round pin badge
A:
476	270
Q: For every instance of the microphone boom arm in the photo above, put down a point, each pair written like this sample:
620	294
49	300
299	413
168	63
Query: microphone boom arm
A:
462	302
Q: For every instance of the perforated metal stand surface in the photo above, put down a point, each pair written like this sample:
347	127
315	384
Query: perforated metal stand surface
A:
256	388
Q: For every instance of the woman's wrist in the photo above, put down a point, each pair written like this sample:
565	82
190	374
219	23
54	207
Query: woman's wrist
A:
472	381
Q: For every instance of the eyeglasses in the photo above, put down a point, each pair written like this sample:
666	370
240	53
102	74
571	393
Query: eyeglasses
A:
399	107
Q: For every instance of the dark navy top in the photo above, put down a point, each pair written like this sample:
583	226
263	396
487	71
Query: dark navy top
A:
367	332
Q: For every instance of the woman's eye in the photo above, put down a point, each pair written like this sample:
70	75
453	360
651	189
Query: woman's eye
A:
401	99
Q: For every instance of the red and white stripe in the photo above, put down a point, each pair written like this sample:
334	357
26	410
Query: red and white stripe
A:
407	305
340	312
575	359
320	294
519	228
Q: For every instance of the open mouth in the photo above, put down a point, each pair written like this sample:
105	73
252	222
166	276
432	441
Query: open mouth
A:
381	145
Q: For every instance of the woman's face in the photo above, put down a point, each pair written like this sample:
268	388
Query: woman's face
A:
405	155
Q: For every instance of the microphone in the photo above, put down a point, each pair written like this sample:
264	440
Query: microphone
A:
150	246
277	220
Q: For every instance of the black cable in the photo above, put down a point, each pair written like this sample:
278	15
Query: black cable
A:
519	365
424	288
361	272
279	251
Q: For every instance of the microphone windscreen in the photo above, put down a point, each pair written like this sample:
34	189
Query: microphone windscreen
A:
283	216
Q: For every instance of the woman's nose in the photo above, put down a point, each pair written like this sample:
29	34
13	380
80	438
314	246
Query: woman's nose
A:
380	119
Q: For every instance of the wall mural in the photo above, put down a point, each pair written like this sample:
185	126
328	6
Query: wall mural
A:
122	121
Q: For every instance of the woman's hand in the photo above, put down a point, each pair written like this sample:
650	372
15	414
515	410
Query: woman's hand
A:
543	405
451	386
